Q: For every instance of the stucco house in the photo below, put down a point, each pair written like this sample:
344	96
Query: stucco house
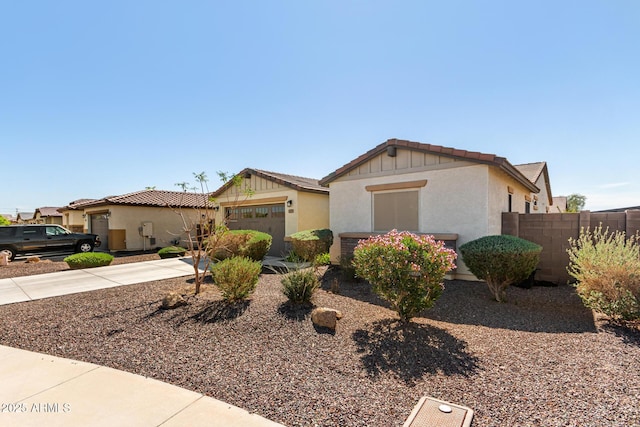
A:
279	204
141	220
457	195
47	215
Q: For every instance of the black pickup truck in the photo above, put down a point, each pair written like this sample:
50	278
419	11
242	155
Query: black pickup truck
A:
26	239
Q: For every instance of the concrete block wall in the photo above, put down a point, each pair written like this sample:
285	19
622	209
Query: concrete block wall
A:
553	231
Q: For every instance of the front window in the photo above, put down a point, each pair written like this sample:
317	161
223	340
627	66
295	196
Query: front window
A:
398	209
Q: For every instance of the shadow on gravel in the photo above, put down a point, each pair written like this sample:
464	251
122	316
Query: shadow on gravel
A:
221	311
539	309
412	350
629	334
295	311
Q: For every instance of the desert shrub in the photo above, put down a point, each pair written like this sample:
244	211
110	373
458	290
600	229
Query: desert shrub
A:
299	285
236	277
171	252
322	259
308	244
500	261
405	269
606	267
88	260
244	243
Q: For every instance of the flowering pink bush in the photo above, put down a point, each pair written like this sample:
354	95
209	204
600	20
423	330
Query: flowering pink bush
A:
405	269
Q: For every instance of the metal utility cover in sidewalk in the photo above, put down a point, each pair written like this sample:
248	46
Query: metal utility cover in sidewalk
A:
428	413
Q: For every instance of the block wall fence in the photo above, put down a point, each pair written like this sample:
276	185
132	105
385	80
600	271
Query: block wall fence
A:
552	232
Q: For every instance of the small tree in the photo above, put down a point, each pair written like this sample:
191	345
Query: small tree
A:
405	269
575	202
4	221
203	235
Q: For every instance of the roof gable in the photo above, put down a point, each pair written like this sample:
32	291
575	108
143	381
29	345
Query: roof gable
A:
533	172
298	183
453	153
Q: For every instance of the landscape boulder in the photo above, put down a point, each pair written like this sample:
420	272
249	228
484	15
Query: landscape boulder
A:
173	300
325	317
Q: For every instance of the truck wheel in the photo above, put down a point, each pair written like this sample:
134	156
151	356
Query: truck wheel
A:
11	253
84	247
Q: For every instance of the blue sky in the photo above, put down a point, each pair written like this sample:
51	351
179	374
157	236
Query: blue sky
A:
105	98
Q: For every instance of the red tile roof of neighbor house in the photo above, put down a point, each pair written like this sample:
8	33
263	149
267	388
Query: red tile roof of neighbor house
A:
49	211
159	198
474	156
295	182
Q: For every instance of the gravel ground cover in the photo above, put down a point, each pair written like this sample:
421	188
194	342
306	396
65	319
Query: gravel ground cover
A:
538	360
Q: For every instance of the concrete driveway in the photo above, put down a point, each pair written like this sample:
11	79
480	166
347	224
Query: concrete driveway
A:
29	288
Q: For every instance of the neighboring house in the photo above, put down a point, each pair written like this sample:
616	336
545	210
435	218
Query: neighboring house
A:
559	204
280	205
73	215
11	218
142	220
47	215
538	174
24	218
456	195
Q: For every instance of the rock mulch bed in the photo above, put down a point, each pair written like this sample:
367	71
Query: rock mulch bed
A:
537	360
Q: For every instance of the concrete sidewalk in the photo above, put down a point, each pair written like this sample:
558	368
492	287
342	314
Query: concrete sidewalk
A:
28	288
42	390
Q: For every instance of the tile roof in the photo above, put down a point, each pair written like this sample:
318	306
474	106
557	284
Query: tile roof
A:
159	198
49	211
292	181
474	156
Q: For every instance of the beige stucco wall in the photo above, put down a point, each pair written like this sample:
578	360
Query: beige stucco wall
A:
460	197
313	211
167	224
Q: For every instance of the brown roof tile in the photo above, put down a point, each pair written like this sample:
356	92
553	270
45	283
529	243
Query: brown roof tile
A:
49	211
159	198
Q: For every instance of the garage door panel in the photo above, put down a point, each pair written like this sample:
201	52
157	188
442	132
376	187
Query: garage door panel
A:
265	218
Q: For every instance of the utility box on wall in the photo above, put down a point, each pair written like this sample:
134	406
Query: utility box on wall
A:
147	229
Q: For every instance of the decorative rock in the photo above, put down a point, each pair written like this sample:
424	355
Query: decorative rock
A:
4	258
325	317
33	259
173	300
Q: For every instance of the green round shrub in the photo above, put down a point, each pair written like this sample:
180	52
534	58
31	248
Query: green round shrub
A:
244	243
236	277
501	260
308	244
88	260
172	252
